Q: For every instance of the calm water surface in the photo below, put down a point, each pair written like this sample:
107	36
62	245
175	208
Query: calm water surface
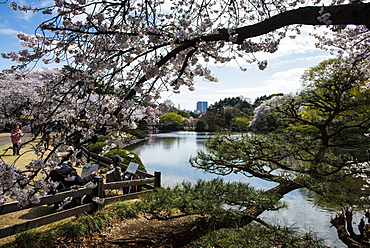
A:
169	153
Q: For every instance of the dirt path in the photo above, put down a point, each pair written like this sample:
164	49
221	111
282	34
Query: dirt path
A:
140	233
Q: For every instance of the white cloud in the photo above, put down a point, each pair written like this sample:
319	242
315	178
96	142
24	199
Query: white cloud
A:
279	82
314	59
25	15
8	31
286	80
302	44
301	48
46	3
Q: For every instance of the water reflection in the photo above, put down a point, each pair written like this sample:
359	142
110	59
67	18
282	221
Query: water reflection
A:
169	153
311	197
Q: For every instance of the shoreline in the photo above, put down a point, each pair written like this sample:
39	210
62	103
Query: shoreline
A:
135	141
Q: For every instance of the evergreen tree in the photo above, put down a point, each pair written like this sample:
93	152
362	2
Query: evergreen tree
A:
327	125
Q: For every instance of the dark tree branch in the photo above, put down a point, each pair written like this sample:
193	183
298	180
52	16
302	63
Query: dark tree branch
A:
356	14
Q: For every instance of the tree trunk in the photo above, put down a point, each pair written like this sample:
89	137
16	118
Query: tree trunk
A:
343	223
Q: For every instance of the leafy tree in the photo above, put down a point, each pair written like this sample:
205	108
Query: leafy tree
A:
172	121
237	102
240	124
214	128
229	114
328	122
228	109
338	106
171	118
201	126
183	114
232	106
194	115
173	127
214	119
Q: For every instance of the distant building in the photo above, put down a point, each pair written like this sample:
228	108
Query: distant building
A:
202	106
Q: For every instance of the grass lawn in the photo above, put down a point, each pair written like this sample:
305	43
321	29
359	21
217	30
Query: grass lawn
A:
6	153
27	155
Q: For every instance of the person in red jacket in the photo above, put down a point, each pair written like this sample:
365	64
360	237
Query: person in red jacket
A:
16	135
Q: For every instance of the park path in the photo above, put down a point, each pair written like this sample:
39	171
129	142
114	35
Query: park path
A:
5	138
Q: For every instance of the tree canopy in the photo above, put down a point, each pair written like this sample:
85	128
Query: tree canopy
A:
231	113
228	102
148	47
141	48
171	118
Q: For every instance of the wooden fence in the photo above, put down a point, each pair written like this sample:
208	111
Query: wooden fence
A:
148	181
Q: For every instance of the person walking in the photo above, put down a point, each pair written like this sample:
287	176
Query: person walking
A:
46	139
16	135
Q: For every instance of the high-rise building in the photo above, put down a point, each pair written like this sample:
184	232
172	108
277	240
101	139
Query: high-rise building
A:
202	106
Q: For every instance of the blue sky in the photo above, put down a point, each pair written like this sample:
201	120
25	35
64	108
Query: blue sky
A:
282	74
12	22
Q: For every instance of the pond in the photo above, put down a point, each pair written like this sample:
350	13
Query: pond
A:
169	153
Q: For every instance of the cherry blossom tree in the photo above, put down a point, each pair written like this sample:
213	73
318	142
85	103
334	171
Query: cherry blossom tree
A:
148	47
121	54
53	95
20	91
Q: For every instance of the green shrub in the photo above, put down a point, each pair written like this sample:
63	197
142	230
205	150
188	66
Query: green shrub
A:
123	210
201	126
108	136
73	230
96	147
214	128
103	138
92	223
100	143
106	216
32	238
103	170
138	133
258	236
173	127
127	156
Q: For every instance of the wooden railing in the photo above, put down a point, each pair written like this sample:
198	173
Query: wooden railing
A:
106	162
150	182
